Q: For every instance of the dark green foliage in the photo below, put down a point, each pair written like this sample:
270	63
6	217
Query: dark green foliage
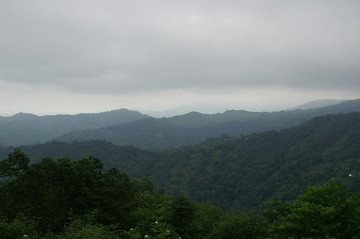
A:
78	199
245	173
182	213
16	163
237	173
50	190
117	194
241	225
328	211
21	226
85	229
207	218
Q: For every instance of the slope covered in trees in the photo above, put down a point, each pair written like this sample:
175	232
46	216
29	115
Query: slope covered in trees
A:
125	127
22	129
192	128
242	173
77	199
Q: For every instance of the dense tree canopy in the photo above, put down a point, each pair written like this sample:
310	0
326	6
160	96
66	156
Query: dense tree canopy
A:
79	199
52	189
328	211
93	198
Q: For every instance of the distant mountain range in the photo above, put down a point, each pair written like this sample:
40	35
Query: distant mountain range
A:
23	128
125	127
214	108
194	127
242	173
204	108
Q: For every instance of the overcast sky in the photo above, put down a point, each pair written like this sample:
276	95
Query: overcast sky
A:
80	56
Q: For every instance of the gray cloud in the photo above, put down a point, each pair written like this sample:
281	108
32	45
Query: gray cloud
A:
139	46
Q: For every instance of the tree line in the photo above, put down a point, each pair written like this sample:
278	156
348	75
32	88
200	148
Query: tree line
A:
67	198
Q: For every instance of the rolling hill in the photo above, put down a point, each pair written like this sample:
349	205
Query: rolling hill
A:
25	128
241	173
194	127
125	127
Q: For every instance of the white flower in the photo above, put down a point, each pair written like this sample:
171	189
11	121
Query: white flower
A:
146	236
156	222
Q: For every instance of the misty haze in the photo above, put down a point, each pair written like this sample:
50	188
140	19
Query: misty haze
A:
179	119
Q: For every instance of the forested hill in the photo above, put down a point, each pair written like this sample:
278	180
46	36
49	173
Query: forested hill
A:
22	128
237	172
192	128
243	173
125	127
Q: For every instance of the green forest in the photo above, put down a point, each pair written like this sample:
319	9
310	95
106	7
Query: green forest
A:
193	128
298	182
67	198
235	173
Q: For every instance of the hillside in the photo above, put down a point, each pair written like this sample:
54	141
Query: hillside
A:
125	127
237	172
149	133
192	128
24	128
246	172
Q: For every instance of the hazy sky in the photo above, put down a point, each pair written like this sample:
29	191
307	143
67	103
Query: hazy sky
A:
77	56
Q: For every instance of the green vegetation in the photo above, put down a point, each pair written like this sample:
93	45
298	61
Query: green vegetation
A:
241	173
78	199
226	187
328	211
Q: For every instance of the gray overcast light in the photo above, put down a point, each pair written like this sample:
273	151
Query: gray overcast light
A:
78	56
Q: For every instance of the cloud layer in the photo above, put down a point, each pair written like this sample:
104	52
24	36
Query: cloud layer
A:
133	47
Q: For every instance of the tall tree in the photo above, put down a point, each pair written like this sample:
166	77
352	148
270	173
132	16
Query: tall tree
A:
16	163
182	215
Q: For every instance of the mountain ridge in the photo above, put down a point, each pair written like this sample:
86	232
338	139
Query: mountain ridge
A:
25	128
242	173
190	128
194	127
